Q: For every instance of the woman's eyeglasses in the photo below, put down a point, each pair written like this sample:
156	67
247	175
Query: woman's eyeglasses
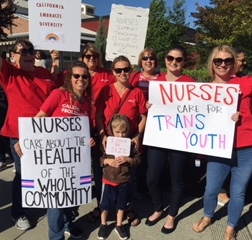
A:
77	76
227	61
125	70
89	56
24	52
177	60
145	58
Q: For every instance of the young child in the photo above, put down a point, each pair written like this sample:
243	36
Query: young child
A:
116	177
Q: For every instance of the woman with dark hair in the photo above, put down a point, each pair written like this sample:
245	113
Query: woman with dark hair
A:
158	157
100	78
26	88
74	94
222	63
121	97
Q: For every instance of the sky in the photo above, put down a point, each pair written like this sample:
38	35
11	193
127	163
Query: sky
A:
103	7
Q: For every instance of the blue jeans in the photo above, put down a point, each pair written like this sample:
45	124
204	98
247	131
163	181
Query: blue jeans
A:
17	210
59	220
240	167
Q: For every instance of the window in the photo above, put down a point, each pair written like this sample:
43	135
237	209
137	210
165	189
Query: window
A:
90	10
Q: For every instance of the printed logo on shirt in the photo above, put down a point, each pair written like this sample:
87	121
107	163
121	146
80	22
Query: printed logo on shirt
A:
48	80
132	100
73	110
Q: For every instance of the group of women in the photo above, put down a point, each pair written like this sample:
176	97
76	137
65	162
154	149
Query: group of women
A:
99	94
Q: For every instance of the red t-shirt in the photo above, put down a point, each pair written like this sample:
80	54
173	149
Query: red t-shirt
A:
26	92
244	126
61	104
134	104
138	79
183	78
100	79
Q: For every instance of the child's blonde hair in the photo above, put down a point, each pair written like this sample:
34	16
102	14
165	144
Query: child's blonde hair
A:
122	121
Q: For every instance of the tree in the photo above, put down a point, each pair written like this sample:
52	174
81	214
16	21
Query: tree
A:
101	38
7	10
224	22
165	27
177	16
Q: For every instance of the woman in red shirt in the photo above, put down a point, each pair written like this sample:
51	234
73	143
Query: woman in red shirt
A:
148	62
26	88
222	64
73	99
158	157
100	78
121	97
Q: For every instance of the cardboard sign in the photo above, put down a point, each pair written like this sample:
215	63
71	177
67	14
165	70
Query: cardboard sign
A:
118	146
192	117
55	24
127	32
56	162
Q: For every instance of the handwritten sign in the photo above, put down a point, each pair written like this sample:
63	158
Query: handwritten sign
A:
127	32
118	146
192	117
51	24
56	162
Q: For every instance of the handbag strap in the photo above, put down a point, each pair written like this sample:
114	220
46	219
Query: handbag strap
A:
125	98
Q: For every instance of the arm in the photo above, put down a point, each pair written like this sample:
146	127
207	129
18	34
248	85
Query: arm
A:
41	114
17	145
141	126
55	55
101	128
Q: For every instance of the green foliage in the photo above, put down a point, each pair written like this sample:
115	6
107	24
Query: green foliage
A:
101	38
223	22
166	26
200	75
7	9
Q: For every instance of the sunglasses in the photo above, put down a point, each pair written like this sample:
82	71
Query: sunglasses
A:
89	56
177	60
125	70
77	76
227	61
145	58
24	51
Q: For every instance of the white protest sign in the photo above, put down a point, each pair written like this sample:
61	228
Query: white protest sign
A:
118	146
127	32
192	117
56	162
55	24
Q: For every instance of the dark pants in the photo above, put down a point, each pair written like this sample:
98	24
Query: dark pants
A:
157	159
97	169
16	210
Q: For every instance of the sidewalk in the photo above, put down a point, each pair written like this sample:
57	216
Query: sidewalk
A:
189	213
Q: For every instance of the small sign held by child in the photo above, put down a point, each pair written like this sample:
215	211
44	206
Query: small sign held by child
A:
118	146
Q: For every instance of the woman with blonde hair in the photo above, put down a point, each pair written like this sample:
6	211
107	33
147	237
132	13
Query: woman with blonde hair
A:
221	65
